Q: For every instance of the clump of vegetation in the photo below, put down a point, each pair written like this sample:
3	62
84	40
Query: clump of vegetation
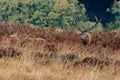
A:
69	58
115	9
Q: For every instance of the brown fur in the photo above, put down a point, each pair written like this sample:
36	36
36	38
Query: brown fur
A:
89	37
86	38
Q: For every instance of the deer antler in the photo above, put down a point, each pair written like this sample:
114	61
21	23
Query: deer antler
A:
97	22
77	27
76	24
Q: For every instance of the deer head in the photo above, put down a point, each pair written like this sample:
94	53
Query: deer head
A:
85	36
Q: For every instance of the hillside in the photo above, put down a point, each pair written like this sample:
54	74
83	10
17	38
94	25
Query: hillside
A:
36	53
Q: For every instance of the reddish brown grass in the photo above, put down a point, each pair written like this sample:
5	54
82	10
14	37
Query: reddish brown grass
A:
58	50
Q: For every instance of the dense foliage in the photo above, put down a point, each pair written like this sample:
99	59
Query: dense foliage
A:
46	13
115	24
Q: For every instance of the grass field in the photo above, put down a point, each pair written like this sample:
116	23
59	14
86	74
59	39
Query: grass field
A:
54	54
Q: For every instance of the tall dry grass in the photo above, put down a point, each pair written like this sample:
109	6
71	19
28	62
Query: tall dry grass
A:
62	56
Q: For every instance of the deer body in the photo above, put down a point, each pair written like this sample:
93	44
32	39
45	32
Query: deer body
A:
85	36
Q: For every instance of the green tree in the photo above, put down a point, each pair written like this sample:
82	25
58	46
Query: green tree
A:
60	13
41	12
115	24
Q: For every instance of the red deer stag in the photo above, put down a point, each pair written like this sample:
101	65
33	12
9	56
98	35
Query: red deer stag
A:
85	36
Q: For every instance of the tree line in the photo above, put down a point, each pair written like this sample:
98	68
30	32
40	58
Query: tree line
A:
47	13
